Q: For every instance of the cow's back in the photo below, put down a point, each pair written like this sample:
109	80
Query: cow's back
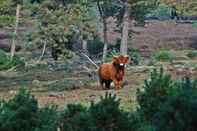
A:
106	71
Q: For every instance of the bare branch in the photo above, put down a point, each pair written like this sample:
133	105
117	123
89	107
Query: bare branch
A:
43	51
90	60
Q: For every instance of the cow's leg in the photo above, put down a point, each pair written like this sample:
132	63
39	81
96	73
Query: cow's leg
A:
117	84
101	81
120	84
107	84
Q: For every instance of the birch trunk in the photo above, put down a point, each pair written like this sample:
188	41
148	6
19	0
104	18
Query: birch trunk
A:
13	46
43	51
125	33
84	46
104	20
105	39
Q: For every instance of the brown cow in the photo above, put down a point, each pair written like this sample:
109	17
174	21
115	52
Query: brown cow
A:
113	71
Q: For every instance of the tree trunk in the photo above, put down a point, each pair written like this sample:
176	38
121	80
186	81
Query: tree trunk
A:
84	46
104	19
105	39
13	46
125	33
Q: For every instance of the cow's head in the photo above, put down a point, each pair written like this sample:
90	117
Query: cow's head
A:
120	60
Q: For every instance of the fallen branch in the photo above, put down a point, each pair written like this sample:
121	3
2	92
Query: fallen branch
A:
89	70
86	68
91	73
90	60
11	69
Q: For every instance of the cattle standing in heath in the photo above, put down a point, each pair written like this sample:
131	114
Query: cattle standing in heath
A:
113	72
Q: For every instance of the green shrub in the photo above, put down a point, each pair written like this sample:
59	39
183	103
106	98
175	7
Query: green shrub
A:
111	54
3	56
178	113
95	46
19	113
22	114
135	56
6	20
192	54
155	92
164	105
163	55
107	115
163	12
102	116
194	24
6	8
7	63
77	118
48	119
115	46
7	12
168	105
57	39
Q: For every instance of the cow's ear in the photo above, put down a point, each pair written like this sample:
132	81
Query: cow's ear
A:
115	59
126	58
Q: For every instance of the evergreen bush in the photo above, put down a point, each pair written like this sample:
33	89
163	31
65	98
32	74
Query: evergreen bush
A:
95	46
7	12
19	113
138	122
168	105
178	113
77	118
163	12
48	119
163	55
111	54
102	116
164	105
22	114
6	20
107	115
194	24
155	92
192	54
6	62
135	56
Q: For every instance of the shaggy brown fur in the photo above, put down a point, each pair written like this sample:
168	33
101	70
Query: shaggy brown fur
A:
113	71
